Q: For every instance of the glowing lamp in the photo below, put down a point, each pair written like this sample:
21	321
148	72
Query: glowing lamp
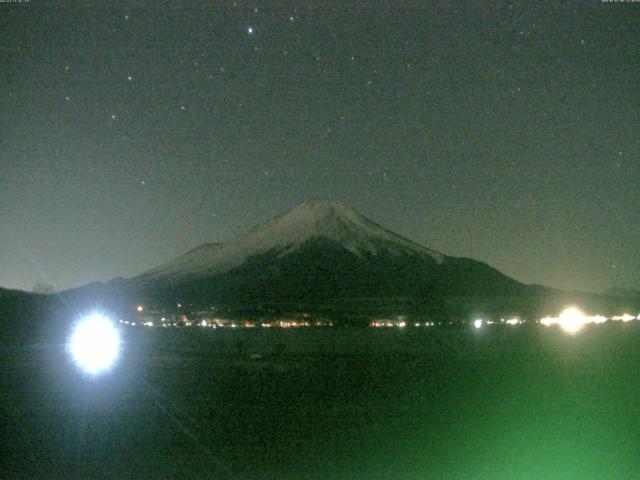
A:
572	320
94	344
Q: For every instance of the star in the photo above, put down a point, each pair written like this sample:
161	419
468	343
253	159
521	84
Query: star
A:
250	30
183	108
130	78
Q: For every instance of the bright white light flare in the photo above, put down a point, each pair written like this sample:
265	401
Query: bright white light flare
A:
477	323
94	344
572	320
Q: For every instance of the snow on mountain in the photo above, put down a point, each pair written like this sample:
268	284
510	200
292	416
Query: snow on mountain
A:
193	260
312	219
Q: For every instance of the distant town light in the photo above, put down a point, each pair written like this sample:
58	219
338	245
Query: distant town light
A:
598	319
94	344
625	317
548	321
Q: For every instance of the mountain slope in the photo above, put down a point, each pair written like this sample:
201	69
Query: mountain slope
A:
22	314
309	220
187	264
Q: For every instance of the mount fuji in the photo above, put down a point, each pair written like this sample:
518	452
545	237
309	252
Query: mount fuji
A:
309	221
322	254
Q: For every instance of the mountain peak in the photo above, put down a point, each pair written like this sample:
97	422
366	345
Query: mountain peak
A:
322	205
315	212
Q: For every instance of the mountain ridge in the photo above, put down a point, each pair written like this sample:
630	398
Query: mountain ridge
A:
320	255
319	258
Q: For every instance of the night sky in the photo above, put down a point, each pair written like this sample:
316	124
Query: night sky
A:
501	131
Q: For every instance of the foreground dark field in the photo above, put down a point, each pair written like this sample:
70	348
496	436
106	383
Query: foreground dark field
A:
497	403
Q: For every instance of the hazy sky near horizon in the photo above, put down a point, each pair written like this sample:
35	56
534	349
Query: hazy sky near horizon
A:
501	131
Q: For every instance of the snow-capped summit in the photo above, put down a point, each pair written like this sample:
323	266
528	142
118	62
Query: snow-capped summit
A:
330	220
313	219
